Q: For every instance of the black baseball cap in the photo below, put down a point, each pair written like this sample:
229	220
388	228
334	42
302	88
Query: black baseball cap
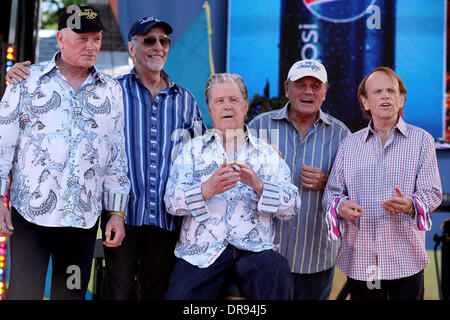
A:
80	19
144	24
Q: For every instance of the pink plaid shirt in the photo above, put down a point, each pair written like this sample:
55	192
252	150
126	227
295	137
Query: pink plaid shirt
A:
379	245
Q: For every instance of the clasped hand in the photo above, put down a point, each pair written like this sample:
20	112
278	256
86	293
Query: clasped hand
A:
228	175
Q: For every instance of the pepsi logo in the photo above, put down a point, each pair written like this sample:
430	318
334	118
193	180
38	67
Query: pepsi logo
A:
338	11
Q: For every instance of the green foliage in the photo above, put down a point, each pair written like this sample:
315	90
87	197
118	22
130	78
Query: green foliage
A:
52	9
259	104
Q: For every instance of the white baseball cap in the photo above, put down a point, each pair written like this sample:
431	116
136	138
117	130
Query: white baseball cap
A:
304	68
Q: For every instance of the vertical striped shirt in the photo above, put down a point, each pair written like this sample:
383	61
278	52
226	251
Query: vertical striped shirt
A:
303	239
155	127
379	245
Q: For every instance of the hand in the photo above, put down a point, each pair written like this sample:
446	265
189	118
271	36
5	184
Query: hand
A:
18	72
223	179
313	178
399	204
115	224
6	227
350	210
248	176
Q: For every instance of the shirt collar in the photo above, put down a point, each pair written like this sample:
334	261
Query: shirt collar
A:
325	118
51	65
283	114
164	75
400	126
213	135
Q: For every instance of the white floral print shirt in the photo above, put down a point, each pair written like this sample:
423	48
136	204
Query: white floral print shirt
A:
65	150
237	216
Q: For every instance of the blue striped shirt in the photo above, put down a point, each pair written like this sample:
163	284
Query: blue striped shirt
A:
303	240
155	128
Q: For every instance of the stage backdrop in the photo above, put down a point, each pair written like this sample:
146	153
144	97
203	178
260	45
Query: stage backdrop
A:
351	38
199	33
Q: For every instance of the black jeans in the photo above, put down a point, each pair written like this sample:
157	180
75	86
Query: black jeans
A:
31	245
409	288
313	286
261	275
140	268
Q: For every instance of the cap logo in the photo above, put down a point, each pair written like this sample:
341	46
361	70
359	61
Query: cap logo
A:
81	19
88	13
147	19
309	65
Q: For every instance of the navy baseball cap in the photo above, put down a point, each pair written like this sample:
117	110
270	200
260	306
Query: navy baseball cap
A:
80	19
144	24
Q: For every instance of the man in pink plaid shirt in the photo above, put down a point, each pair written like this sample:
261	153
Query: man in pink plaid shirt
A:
380	194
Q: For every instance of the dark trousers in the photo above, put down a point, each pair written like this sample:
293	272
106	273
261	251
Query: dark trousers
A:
409	288
31	245
313	286
261	275
140	268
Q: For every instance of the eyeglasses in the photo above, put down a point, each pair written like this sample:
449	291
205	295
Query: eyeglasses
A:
150	41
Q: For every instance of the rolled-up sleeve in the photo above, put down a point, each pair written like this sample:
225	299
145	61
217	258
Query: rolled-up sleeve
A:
428	189
335	193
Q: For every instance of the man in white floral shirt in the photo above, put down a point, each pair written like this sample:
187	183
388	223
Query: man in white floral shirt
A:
61	137
229	186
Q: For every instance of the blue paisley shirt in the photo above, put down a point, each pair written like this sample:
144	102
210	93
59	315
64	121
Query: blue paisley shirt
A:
237	216
64	150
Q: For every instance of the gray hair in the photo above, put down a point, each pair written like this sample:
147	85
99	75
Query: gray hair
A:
225	77
133	41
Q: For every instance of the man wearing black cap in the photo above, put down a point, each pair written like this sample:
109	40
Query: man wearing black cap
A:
159	114
63	142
